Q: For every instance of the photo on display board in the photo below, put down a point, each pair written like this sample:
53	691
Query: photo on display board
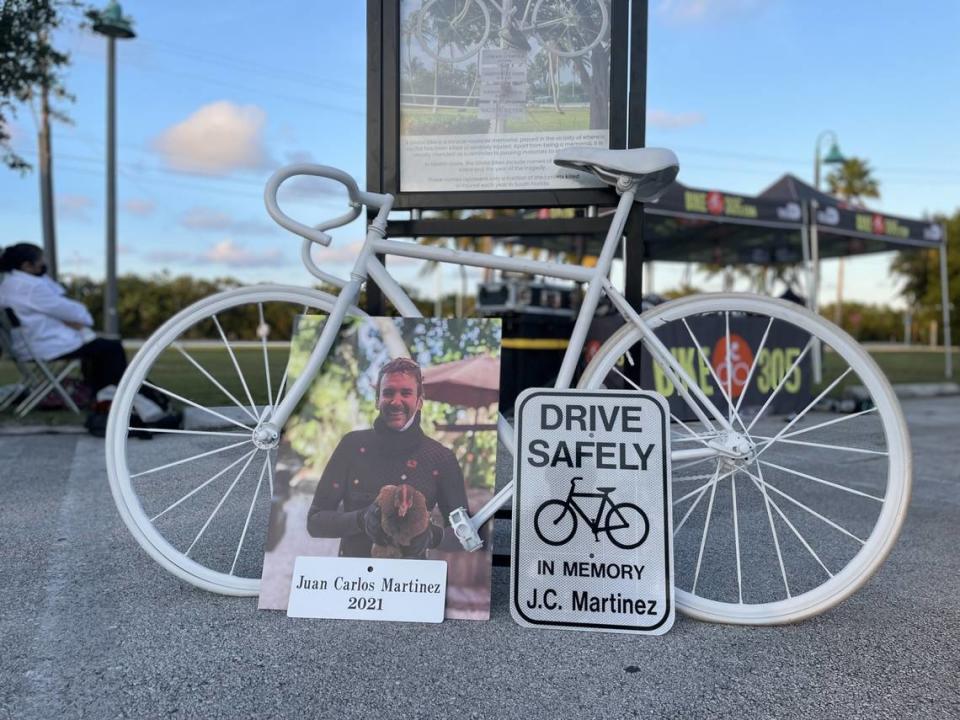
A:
396	431
488	97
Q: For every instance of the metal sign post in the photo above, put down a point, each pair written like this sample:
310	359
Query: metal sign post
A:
592	522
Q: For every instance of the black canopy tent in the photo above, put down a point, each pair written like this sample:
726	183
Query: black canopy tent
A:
789	222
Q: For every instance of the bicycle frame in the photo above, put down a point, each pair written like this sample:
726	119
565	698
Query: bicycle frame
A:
368	266
592	523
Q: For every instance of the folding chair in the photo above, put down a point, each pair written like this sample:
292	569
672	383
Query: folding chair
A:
37	377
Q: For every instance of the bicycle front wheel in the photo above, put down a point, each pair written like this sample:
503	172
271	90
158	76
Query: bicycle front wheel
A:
812	493
197	497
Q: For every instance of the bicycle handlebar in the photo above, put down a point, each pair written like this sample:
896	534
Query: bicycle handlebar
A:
316	234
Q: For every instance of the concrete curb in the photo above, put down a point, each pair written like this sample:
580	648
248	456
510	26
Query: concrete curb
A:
926	390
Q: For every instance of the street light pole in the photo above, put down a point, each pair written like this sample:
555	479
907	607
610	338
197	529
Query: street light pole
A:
813	290
112	24
834	157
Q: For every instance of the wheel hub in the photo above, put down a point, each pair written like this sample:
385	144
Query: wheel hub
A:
736	449
266	436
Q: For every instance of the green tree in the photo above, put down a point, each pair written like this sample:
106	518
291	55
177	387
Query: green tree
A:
920	271
28	63
853	181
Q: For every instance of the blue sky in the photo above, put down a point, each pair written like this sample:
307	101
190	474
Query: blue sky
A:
739	88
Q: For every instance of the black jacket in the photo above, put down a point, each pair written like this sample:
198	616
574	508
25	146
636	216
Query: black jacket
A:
365	461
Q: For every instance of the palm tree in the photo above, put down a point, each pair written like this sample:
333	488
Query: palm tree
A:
852	181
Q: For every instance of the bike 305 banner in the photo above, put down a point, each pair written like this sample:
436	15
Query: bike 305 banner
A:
591	512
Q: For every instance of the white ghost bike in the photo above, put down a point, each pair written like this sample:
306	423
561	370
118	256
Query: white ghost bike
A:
777	517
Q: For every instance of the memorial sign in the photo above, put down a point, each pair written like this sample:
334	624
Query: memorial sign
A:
592	523
470	101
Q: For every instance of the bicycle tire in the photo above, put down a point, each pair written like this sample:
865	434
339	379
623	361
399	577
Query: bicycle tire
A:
855	495
564	537
619	508
120	450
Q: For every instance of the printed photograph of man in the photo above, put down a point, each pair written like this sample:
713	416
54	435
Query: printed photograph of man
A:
396	431
389	478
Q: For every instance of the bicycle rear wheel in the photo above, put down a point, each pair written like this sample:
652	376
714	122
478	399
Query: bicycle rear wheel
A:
570	28
197	497
815	499
452	31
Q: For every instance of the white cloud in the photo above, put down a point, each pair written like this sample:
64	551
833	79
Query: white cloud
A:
304	188
203	218
672	121
695	11
218	139
74	207
139	206
300	156
210	219
227	253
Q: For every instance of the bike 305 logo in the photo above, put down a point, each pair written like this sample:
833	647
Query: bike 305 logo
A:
555	522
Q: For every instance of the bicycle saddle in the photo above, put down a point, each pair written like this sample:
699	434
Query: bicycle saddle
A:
653	168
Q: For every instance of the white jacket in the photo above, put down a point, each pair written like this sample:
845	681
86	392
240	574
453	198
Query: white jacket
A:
43	311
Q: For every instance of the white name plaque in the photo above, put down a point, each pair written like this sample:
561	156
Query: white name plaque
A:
368	589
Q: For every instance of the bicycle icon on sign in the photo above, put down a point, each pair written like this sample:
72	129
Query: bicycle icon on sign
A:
555	522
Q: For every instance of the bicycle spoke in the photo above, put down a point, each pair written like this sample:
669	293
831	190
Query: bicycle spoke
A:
726	320
828	422
212	379
756	481
203	485
703	538
263	343
783	381
191	403
220	504
189	459
706	484
172	431
236	365
270	473
822	481
690	464
713	374
810	510
844	448
807	409
246	524
692	507
773	530
672	416
753	366
283	383
736	538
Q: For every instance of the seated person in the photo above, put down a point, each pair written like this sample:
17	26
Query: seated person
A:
54	327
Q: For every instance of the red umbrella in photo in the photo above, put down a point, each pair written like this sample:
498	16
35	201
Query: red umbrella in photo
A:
472	382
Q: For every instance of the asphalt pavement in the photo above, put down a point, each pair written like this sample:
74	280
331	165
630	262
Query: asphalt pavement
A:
93	628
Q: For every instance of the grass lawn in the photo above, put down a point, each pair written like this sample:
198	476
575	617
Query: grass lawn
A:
173	372
920	366
176	374
535	119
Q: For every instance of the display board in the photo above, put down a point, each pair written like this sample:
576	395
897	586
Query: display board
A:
473	98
